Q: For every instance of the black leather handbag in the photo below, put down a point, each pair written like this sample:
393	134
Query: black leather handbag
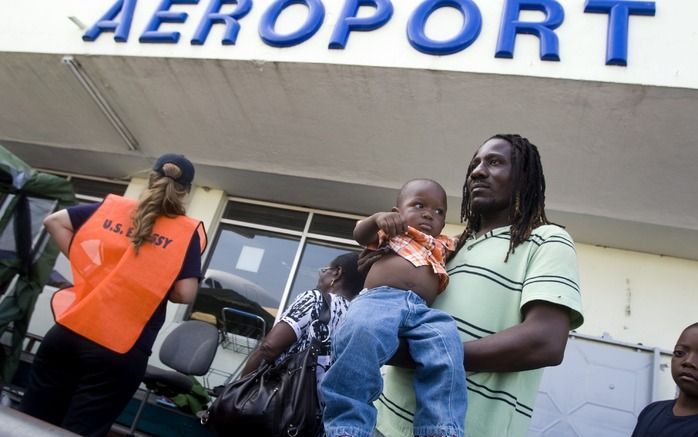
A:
276	400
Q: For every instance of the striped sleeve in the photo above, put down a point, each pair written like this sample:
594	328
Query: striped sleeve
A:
552	274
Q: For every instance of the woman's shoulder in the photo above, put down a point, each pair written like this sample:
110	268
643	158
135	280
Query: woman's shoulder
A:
79	214
339	300
316	296
302	306
308	296
314	292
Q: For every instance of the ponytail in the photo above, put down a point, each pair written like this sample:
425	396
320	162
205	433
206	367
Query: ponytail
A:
163	196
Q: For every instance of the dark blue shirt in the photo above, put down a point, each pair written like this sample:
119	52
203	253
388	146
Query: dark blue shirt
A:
191	268
658	420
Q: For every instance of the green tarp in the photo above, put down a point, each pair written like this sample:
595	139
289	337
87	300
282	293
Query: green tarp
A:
27	254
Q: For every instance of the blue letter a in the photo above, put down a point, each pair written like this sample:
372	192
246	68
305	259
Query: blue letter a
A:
108	22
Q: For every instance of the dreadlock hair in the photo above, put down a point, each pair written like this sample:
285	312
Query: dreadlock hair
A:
163	196
527	201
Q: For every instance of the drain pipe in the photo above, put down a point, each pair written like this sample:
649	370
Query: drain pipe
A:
655	373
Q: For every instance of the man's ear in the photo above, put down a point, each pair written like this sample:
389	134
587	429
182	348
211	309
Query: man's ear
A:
395	209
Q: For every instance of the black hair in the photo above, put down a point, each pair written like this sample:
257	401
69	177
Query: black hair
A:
691	326
404	186
352	279
527	201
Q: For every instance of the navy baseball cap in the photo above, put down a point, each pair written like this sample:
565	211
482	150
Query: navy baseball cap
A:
187	168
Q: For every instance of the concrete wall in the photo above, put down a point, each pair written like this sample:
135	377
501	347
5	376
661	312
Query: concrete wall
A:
637	297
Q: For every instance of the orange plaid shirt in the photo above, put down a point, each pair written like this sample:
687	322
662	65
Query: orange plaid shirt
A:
420	249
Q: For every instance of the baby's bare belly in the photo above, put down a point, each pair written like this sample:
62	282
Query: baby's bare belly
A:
397	272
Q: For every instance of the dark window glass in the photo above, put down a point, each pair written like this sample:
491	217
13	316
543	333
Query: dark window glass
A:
265	215
89	187
316	254
248	270
333	226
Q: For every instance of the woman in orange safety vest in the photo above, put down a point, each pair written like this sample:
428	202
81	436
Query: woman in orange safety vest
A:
128	258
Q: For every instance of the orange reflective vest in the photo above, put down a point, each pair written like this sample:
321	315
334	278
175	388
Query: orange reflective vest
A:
115	291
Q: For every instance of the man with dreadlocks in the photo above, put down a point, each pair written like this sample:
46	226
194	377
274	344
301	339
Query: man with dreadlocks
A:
513	292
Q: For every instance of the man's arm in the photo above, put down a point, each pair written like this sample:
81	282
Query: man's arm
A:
538	341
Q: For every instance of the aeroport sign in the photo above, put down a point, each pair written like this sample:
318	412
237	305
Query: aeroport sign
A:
119	17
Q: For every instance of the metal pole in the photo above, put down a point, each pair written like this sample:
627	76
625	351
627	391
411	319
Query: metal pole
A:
655	373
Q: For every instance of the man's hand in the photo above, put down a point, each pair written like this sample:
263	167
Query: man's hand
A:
368	257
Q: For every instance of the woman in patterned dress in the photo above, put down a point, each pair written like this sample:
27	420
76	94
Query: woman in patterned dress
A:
296	330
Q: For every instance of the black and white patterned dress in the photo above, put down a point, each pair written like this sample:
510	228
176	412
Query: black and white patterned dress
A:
300	315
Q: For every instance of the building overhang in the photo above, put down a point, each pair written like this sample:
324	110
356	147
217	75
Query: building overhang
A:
619	159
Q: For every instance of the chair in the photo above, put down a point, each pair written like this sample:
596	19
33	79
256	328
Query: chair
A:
189	349
242	331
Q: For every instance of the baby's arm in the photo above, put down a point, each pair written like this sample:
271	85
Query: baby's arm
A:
366	230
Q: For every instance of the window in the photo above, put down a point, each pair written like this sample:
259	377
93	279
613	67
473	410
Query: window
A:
335	226
96	190
264	255
265	215
316	254
254	263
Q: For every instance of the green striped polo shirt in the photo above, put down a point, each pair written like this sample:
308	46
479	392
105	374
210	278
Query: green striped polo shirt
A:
485	295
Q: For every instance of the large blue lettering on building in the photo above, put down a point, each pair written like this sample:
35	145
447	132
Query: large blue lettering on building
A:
119	16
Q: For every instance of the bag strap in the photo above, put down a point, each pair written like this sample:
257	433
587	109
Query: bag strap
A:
324	315
325	312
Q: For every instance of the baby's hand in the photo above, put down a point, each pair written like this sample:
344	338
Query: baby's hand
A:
391	223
